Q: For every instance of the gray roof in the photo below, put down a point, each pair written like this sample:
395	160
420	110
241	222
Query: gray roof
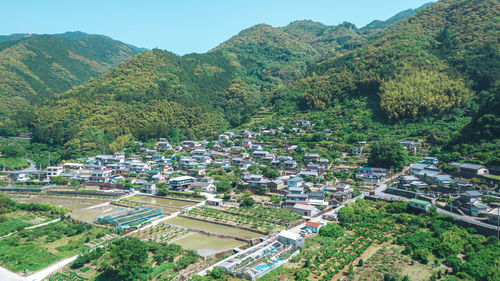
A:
315	194
470	166
473	193
304	207
296	195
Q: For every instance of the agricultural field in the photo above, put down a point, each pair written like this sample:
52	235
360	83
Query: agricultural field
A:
130	259
36	248
89	215
389	260
160	233
206	245
259	218
15	163
13	221
66	276
213	228
70	203
381	241
164	204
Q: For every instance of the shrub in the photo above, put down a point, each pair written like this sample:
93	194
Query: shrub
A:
331	230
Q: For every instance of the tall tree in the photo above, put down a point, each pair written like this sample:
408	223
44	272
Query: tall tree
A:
387	154
130	258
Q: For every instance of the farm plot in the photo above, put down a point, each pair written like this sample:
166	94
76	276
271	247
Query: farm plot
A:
258	218
213	228
36	248
160	233
70	203
206	245
89	215
388	260
166	205
11	222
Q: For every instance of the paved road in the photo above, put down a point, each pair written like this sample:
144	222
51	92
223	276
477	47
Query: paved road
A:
42	274
30	227
32	168
467	219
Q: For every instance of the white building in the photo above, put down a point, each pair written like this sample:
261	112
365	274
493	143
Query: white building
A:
288	237
54	171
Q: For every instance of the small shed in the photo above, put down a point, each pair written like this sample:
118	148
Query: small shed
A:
215	202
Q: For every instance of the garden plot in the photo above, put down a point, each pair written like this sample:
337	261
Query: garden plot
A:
166	205
389	260
36	248
160	233
213	228
258	218
70	203
89	215
11	222
206	245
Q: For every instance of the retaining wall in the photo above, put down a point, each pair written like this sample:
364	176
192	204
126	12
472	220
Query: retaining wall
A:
224	224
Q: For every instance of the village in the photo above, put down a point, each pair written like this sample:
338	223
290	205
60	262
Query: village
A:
246	201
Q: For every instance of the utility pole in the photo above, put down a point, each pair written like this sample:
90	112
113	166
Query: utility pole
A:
498	222
49	161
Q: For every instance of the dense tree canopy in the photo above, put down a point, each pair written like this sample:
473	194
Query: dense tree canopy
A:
387	154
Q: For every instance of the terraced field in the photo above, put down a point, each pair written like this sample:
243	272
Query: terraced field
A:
206	245
213	228
160	233
258	218
70	203
89	215
164	204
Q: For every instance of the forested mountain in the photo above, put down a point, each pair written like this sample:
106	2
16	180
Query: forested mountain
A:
157	93
442	59
33	67
378	25
455	42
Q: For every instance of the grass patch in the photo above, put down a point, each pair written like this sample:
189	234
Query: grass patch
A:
15	163
495	177
36	248
7	227
162	268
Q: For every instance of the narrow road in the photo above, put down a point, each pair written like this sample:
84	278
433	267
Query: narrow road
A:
42	274
31	169
30	227
467	219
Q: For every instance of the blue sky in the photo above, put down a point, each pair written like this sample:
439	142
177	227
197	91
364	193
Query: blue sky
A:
183	26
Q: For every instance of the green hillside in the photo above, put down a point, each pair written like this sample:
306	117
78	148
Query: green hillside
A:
378	25
157	93
440	64
33	67
424	77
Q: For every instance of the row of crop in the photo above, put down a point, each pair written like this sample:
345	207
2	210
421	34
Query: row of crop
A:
217	215
333	255
277	215
160	232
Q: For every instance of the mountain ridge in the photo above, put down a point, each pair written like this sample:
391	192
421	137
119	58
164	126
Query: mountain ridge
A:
34	67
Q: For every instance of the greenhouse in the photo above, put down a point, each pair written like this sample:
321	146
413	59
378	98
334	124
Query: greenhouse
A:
130	218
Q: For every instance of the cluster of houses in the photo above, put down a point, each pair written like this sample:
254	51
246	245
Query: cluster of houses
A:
185	168
426	176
